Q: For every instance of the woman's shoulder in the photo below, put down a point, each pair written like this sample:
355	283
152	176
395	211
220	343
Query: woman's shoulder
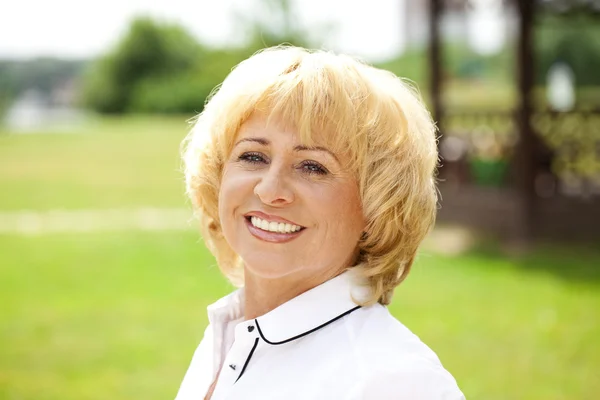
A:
376	330
408	381
395	361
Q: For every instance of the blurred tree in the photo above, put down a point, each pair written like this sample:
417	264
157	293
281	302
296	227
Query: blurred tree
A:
460	62
149	51
412	65
187	91
42	74
160	68
276	22
573	40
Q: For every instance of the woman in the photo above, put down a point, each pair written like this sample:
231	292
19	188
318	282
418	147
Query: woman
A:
312	175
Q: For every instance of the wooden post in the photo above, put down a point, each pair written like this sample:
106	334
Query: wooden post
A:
525	151
435	62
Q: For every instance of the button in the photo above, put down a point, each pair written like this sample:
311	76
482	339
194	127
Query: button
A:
232	366
250	328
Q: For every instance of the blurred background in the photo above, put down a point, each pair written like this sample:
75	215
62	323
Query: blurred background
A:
104	280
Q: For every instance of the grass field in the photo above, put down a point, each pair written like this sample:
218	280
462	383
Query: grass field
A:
107	163
117	315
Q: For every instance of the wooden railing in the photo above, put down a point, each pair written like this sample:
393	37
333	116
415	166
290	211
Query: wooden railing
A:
567	156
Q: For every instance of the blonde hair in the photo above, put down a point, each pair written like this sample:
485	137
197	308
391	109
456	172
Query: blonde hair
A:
370	115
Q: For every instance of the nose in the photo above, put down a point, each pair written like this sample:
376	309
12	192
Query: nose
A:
274	187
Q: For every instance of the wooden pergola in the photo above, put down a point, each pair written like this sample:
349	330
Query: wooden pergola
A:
526	160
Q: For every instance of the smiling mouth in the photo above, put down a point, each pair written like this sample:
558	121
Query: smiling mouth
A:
273	227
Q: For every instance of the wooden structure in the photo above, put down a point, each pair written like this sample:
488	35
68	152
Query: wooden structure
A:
536	202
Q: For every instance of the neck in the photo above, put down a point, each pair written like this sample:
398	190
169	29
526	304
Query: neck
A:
262	295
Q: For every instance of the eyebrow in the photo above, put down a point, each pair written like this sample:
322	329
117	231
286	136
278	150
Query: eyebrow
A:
265	142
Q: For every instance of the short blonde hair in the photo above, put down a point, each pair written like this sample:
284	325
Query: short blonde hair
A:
368	114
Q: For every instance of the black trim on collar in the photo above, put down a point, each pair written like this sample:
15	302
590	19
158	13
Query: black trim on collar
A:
302	334
247	360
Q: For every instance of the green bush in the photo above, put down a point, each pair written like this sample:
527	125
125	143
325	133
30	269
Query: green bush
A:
572	40
182	93
148	51
187	91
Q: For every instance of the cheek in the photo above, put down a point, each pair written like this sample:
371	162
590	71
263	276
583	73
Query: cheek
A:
236	187
340	206
350	210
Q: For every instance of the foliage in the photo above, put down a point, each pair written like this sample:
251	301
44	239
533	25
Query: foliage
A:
411	65
187	91
150	50
460	63
571	39
276	22
160	68
42	74
39	73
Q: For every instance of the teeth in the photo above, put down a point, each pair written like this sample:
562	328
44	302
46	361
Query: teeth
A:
279	227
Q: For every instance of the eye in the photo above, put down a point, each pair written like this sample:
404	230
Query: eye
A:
252	158
312	167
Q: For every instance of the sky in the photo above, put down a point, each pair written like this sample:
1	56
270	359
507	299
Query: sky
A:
372	29
81	29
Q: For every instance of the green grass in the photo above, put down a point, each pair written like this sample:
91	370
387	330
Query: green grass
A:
118	315
517	327
102	164
106	316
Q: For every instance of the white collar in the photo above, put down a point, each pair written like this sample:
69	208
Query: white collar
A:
301	315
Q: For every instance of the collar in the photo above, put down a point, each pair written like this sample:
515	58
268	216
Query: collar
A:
302	315
228	308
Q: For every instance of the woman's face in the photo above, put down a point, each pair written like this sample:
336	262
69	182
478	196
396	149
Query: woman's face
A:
287	209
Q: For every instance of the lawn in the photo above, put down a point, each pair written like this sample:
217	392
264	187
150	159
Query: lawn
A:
105	163
117	315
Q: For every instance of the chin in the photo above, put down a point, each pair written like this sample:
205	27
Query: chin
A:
273	269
